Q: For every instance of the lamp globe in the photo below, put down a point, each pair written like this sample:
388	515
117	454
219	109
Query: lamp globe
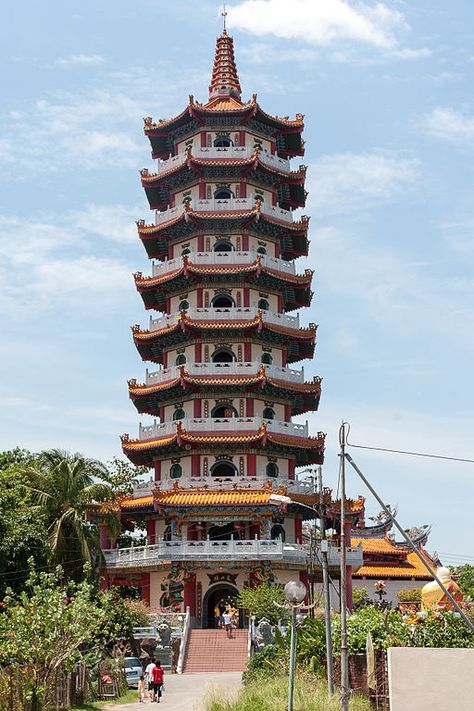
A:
295	592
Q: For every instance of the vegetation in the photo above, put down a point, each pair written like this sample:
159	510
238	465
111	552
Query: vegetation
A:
464	576
360	597
271	694
260	602
409	595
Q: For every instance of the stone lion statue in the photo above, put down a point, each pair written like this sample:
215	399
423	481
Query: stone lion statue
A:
265	633
164	635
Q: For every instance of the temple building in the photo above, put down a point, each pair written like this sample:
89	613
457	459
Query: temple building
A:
225	337
391	561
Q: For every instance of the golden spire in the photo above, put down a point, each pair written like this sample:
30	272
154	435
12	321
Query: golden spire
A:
224	80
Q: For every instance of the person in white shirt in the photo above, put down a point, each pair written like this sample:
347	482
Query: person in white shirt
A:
228	623
149	678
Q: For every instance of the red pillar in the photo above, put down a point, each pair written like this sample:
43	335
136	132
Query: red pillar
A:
249	405
199	296
189	594
145	585
291	469
247	352
198	353
104	538
203	139
298	530
200	243
251	465
157	470
243	190
202	191
197	407
245	243
195	465
241	138
246	292
304	579
151	532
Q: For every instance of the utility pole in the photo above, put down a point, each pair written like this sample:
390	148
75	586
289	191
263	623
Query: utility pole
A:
344	649
327	598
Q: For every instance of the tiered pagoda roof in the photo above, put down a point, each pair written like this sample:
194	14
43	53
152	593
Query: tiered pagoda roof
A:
184	222
307	450
303	397
384	559
295	288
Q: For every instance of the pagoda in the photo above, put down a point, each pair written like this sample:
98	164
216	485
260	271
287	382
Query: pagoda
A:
224	334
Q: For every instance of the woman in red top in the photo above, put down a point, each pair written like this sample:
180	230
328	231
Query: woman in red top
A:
157	674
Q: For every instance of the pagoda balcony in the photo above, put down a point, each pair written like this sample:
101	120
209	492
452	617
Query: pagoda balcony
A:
221	424
202	369
233	550
244	313
294	486
222	153
232	205
250	257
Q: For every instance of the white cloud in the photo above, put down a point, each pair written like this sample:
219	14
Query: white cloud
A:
450	125
111	222
87	60
320	22
344	182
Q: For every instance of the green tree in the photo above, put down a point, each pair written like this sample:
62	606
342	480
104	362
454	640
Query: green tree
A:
70	489
464	576
123	476
260	601
23	533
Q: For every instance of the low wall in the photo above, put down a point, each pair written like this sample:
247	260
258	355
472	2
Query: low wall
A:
430	679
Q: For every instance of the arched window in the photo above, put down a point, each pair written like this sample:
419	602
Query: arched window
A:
183	305
180	359
176	471
224	411
167	533
268	413
223	245
223	468
179	414
223	301
223	194
263	304
278	532
261	250
223	355
223	142
267	359
272	469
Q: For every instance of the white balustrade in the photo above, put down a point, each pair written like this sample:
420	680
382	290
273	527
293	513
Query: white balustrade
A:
242	313
234	368
232	482
221	424
157	324
238	550
163	165
229	152
218	205
170	265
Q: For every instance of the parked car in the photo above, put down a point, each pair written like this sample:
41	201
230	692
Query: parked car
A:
133	670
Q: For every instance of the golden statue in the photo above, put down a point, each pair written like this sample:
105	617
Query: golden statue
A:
433	596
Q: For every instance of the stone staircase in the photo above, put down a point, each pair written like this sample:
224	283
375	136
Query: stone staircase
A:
210	650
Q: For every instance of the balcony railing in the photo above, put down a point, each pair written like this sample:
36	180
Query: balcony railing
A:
224	483
243	313
222	424
280	265
238	550
231	205
231	152
273	371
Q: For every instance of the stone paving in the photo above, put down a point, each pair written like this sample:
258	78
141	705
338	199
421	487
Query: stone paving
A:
188	692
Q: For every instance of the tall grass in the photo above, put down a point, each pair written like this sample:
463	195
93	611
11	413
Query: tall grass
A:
270	694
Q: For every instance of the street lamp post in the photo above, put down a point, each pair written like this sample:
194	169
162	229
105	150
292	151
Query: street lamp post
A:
295	593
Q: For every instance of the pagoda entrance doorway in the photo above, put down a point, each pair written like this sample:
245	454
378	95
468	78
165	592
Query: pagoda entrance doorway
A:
220	595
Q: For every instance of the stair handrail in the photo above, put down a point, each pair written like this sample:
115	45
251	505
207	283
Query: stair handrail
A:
251	636
184	641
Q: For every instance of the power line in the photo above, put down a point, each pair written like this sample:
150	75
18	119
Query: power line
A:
412	454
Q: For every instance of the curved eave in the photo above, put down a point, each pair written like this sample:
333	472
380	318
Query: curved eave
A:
293	236
295	287
307	450
150	344
304	397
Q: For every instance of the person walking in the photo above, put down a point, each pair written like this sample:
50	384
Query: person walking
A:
141	689
157	675
148	678
228	623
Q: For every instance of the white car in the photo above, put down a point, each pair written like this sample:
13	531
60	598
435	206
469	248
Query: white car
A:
133	670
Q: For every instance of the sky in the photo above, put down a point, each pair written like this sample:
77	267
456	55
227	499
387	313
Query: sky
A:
386	89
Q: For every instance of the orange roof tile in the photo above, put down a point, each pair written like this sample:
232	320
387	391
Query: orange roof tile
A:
377	545
409	568
203	497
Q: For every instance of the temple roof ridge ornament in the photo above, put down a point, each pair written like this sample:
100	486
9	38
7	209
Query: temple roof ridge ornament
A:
225	79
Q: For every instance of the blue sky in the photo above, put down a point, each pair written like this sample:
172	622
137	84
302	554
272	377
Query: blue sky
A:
387	93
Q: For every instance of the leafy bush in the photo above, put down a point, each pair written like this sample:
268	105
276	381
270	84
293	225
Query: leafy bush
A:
260	602
409	595
360	597
439	629
311	647
385	625
464	576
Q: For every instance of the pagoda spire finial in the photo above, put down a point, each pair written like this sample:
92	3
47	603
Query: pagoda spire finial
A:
224	80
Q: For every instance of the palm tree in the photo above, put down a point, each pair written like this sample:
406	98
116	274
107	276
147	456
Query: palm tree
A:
71	490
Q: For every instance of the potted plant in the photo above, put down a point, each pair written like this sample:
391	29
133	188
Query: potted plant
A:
409	599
